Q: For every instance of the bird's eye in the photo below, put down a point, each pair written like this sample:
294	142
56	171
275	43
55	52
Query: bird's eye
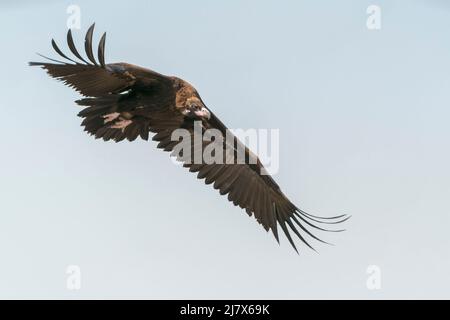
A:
193	105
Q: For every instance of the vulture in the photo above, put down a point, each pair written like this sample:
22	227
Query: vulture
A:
125	101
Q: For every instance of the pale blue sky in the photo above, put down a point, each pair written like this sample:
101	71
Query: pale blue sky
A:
363	118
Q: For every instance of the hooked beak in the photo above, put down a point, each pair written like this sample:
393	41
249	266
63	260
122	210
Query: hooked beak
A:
202	113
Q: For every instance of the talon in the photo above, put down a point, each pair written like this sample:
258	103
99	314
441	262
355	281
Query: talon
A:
110	117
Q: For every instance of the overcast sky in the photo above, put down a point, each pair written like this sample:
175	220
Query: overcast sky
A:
364	130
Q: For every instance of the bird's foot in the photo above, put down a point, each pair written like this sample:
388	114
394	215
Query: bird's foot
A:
122	124
110	117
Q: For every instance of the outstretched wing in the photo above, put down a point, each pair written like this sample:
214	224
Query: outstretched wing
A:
92	78
113	89
125	101
244	184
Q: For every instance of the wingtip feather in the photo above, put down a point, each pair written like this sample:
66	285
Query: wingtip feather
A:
88	44
72	46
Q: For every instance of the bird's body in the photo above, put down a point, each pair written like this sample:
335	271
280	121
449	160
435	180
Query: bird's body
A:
125	101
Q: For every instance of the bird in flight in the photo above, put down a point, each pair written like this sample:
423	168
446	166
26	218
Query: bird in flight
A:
125	101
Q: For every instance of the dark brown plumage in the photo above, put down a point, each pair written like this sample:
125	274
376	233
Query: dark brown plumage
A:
124	101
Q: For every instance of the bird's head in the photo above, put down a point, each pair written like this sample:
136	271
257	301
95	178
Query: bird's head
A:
194	108
188	100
